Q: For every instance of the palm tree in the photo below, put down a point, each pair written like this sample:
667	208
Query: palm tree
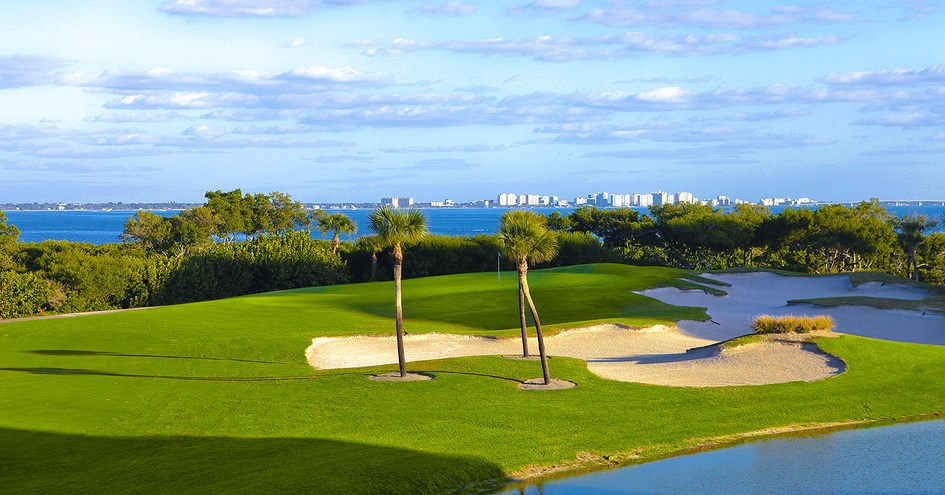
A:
911	235
337	223
394	228
370	243
524	237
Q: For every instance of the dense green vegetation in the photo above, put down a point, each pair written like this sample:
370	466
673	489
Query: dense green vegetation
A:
235	244
217	396
247	243
830	239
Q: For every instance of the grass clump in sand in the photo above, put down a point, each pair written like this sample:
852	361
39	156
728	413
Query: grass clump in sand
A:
792	324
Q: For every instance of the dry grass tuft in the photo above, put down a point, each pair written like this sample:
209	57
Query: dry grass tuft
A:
792	324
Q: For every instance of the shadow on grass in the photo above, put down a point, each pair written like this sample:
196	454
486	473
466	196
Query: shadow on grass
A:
49	463
88	372
330	373
469	373
72	352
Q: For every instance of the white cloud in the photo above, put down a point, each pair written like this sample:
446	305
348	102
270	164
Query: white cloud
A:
344	75
205	131
28	70
933	74
629	44
466	148
905	120
541	7
708	15
138	117
451	8
237	8
673	94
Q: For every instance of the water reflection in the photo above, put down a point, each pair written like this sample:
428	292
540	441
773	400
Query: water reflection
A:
903	458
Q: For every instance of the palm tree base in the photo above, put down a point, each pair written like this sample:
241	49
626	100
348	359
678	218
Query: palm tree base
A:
394	376
539	384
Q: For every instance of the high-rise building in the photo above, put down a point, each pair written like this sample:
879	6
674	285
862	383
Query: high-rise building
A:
397	202
621	200
684	197
508	199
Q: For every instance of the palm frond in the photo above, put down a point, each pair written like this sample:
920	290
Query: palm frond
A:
394	226
524	235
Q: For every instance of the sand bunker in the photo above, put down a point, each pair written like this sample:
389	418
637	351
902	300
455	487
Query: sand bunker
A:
655	355
753	364
752	294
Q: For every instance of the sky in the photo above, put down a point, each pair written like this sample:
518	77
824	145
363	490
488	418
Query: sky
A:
354	100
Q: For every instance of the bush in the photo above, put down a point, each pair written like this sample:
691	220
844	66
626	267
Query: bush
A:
792	324
447	255
22	294
263	264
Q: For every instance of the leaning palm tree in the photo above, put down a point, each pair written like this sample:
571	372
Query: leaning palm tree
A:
394	228
524	237
339	223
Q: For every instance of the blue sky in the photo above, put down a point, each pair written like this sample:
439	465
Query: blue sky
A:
333	100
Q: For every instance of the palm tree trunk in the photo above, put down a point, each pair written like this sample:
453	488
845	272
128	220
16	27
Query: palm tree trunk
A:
523	276
335	242
913	259
521	312
373	267
398	303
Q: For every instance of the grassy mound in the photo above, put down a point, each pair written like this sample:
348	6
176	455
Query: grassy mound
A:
792	324
217	396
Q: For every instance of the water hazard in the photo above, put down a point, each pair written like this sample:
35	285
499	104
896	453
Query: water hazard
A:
903	458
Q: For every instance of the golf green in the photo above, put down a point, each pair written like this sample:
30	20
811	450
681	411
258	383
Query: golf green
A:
217	396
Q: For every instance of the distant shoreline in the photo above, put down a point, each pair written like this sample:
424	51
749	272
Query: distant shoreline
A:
132	207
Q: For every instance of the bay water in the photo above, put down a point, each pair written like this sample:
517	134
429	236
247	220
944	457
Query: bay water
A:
897	459
102	227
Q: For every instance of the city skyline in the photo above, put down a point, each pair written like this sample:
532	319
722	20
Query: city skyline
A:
354	100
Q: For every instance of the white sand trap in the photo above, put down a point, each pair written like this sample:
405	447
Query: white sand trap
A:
752	364
753	294
655	355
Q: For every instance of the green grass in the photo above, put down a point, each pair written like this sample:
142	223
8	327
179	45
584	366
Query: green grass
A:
217	396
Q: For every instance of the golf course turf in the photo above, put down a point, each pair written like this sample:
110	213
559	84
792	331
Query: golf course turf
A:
217	396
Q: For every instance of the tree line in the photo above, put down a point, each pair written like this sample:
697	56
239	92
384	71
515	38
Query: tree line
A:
238	243
829	239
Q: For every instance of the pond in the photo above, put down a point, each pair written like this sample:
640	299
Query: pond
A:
903	458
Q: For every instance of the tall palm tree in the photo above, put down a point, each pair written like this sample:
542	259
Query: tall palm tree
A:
336	223
394	228
911	236
524	237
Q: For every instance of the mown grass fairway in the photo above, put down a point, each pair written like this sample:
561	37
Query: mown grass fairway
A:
217	396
